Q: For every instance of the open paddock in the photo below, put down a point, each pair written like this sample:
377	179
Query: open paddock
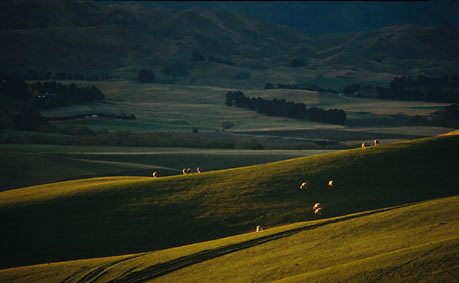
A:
52	163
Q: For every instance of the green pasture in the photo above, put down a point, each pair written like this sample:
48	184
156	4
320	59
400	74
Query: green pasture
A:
110	216
52	163
415	242
180	108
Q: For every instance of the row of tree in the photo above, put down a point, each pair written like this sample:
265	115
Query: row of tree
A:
448	117
444	89
34	75
283	108
77	135
311	87
404	82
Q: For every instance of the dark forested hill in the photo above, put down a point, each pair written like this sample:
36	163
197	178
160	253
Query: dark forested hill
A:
77	36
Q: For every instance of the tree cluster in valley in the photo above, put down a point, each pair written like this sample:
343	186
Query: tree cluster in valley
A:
20	102
423	88
34	75
283	108
447	117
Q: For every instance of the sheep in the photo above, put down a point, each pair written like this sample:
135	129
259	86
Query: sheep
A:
330	184
316	206
304	185
189	171
364	145
198	170
376	143
184	171
259	228
318	211
155	174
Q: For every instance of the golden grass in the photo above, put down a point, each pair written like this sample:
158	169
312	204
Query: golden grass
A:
456	132
384	244
146	214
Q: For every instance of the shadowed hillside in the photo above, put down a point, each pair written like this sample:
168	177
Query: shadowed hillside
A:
92	217
78	36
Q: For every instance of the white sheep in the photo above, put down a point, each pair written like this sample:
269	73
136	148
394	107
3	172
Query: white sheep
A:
304	185
376	143
198	170
330	184
155	174
364	145
189	171
318	211
184	171
259	228
316	206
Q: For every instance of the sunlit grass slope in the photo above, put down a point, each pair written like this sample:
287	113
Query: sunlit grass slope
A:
113	216
408	243
52	163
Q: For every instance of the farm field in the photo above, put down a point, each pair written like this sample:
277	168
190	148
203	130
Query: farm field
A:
89	218
180	108
122	161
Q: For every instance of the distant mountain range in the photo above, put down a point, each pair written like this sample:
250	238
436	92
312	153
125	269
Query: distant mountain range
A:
80	36
329	16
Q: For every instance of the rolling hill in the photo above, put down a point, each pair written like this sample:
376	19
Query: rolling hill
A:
79	36
415	242
122	215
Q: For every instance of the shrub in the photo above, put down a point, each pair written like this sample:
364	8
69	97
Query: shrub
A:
295	63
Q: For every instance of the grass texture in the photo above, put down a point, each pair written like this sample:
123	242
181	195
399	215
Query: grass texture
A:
111	216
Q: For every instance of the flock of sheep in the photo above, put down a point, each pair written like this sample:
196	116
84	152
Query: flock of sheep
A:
317	208
189	171
185	171
375	143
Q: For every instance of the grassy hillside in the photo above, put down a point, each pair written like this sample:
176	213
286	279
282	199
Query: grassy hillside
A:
120	215
52	163
413	243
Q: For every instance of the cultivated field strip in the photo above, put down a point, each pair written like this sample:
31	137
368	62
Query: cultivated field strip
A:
164	268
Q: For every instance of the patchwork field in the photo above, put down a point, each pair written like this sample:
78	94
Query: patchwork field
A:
180	108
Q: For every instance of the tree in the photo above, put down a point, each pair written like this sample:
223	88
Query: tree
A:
295	63
351	89
227	125
146	76
269	86
196	56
